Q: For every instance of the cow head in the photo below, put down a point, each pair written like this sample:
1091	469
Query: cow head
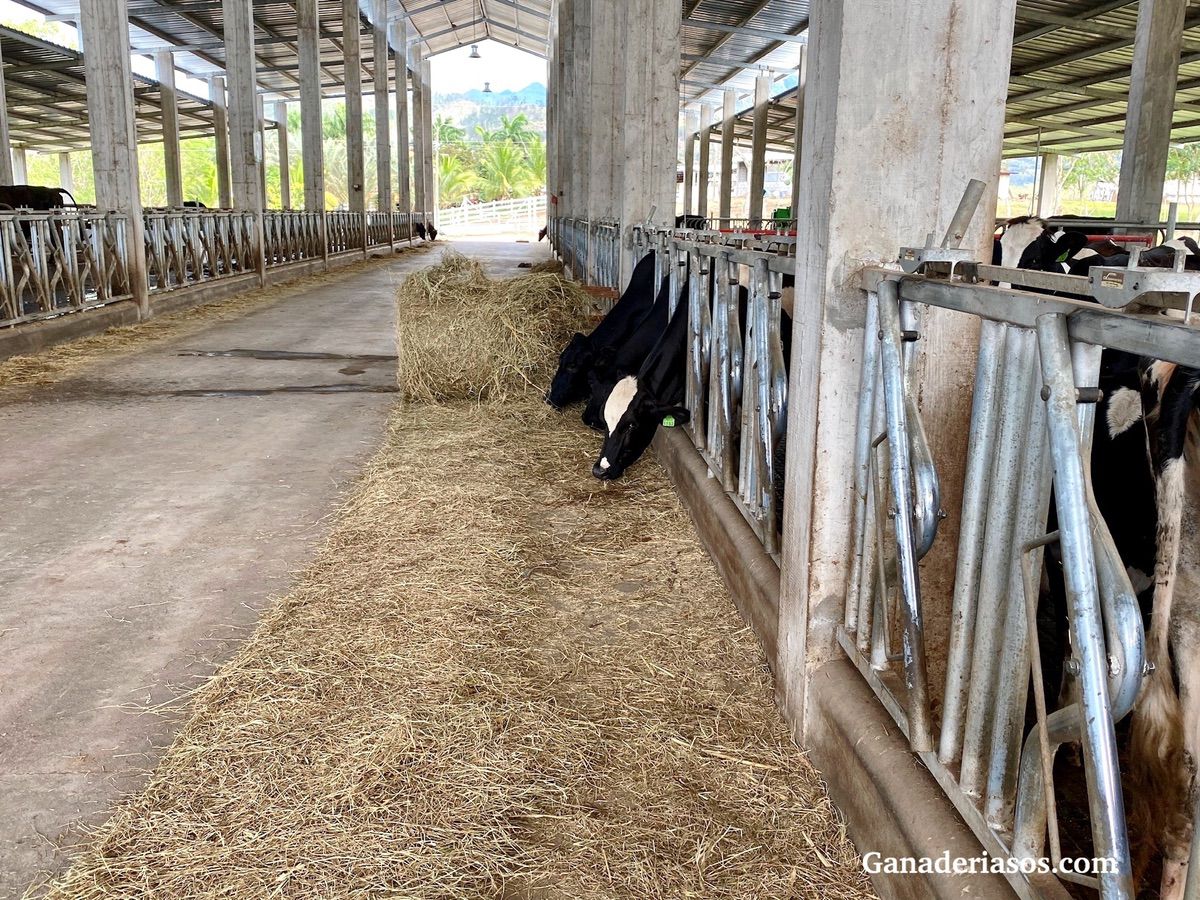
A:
570	381
631	416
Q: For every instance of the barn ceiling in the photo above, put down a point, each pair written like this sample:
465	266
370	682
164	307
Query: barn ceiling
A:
1067	93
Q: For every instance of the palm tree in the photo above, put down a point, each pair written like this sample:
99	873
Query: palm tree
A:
515	129
446	132
455	180
505	172
535	152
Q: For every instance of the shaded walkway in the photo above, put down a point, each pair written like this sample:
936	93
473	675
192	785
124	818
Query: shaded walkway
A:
153	501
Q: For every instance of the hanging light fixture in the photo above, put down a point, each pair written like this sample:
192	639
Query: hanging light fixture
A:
487	87
474	45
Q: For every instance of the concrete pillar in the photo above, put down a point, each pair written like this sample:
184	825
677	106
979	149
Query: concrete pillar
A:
428	156
651	53
66	178
352	57
689	162
260	122
403	157
865	195
285	173
707	114
565	119
581	71
6	162
798	145
1151	106
245	140
420	198
604	110
104	36
1049	190
758	150
20	164
216	91
164	66
312	148
383	130
725	199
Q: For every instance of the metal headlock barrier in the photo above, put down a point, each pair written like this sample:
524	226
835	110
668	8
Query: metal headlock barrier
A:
67	260
591	250
737	370
60	261
1032	418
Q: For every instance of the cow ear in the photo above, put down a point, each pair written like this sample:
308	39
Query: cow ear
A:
670	416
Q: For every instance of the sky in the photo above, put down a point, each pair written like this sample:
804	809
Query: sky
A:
507	68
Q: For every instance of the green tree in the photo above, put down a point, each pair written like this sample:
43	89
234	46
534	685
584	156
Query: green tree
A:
455	180
504	171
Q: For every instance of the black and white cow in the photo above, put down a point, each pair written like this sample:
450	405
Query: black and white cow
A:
627	358
639	403
1146	479
586	352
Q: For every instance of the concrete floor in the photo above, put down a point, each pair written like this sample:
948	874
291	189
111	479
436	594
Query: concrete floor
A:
152	505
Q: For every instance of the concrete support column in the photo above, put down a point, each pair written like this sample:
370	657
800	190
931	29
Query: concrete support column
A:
802	80
312	148
651	53
565	118
689	162
865	195
216	91
403	158
164	71
260	118
383	130
758	151
285	173
20	164
1151	106
104	33
1049	190
66	178
428	157
605	109
725	199
6	162
579	175
419	99
352	57
707	114
245	139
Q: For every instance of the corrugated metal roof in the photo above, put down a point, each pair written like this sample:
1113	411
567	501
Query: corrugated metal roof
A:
1068	90
47	98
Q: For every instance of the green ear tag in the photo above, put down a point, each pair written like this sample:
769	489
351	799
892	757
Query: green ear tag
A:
668	421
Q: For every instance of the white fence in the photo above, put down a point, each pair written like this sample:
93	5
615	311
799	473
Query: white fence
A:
524	211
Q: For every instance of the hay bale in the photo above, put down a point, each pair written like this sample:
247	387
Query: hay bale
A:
463	336
550	265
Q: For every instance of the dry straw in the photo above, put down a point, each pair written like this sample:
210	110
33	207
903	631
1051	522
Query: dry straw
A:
463	336
500	678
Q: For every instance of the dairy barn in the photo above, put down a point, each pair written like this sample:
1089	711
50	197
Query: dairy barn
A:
693	479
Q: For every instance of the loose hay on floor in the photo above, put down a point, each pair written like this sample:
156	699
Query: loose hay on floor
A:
463	336
500	678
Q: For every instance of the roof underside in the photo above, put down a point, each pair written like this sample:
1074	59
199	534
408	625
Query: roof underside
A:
1068	90
47	98
195	30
